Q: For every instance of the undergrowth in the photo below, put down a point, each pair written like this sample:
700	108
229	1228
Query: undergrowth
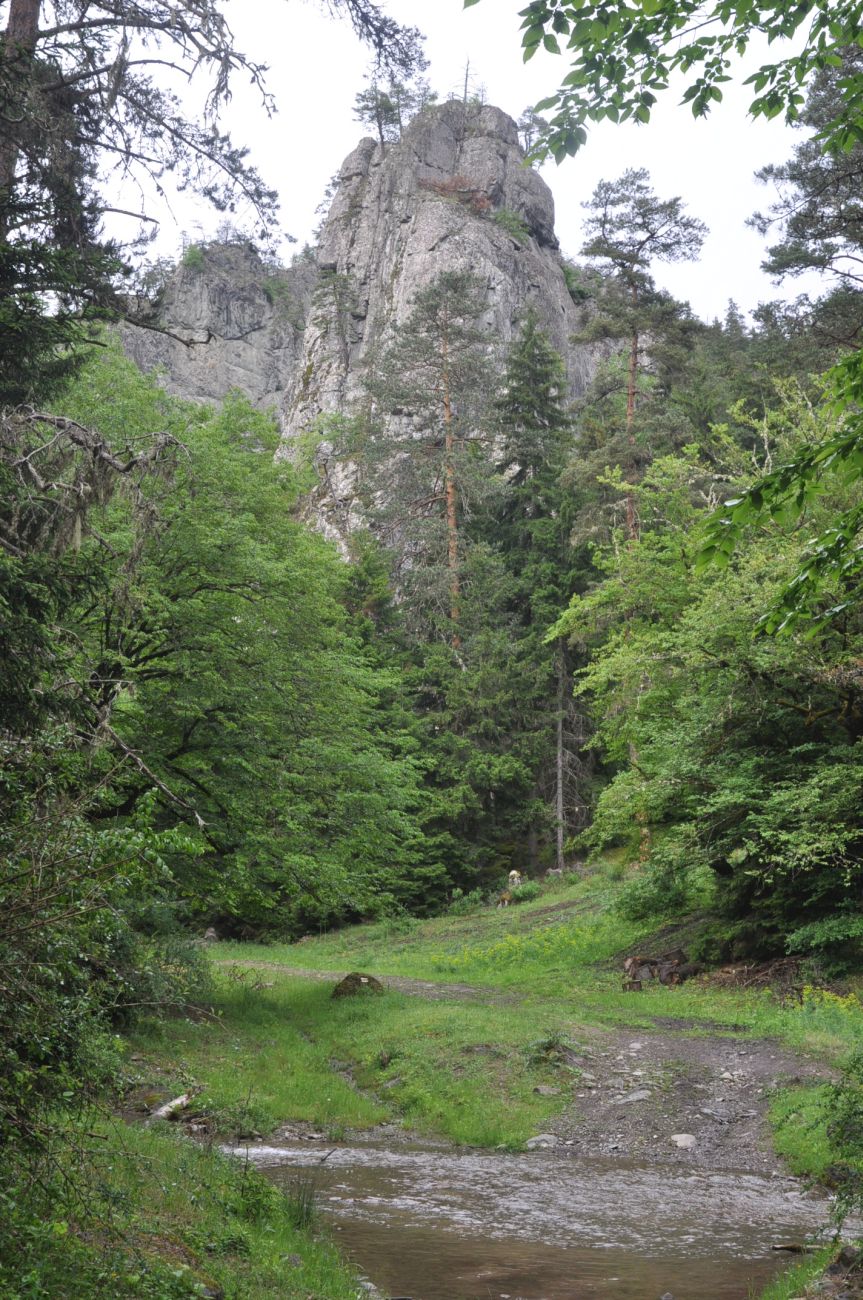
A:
134	1211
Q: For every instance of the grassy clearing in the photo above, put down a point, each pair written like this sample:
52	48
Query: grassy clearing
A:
463	1070
566	947
282	1049
166	1218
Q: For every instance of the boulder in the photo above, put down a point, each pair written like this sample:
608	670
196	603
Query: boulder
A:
357	985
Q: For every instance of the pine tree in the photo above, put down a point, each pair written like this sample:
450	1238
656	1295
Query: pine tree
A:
628	228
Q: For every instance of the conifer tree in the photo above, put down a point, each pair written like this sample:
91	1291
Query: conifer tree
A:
427	453
629	227
533	526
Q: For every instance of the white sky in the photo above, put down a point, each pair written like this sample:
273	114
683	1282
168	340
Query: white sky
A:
317	66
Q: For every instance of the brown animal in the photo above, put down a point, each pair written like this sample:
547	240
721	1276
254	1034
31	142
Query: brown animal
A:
505	898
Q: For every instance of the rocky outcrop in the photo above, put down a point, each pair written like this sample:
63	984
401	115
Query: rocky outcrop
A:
232	322
453	194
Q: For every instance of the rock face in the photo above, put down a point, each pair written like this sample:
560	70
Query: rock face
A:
453	194
236	322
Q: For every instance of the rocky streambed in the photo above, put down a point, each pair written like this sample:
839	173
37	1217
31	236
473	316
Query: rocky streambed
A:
436	1223
658	1178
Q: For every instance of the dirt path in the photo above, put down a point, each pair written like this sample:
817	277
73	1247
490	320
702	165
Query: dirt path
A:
677	1094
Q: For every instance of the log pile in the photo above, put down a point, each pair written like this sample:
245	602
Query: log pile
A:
669	968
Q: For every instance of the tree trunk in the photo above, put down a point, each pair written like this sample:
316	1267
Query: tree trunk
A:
560	774
19	42
631	387
451	500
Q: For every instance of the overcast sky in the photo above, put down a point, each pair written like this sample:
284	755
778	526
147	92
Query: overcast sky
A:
317	66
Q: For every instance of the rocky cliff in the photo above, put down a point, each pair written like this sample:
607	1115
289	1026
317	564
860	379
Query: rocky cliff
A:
232	322
453	194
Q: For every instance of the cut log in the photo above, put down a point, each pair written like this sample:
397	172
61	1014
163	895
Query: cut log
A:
170	1108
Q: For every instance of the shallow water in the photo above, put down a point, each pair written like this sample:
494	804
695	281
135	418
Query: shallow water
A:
436	1224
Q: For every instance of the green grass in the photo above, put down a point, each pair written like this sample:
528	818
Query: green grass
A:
791	1283
152	1214
463	1070
566	946
280	1048
799	1119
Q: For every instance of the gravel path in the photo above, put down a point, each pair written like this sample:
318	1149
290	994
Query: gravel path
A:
677	1095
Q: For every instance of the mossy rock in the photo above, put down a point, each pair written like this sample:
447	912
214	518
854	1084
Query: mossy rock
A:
357	985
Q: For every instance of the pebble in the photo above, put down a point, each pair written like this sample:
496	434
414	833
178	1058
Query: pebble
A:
685	1141
541	1141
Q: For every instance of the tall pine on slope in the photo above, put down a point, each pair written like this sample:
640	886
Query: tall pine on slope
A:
532	529
426	453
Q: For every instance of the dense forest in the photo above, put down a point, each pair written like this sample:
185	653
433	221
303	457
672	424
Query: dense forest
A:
628	623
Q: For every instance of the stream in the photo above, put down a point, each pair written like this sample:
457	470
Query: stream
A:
434	1223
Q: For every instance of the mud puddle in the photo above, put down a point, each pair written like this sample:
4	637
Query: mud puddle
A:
436	1224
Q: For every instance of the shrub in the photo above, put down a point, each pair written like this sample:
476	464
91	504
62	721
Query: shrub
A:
579	291
512	223
836	942
461	903
526	892
193	258
845	1131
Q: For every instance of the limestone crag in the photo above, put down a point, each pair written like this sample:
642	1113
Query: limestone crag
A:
233	322
452	194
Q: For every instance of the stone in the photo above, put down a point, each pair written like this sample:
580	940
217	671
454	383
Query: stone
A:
640	1094
356	984
232	322
299	338
684	1141
392	228
542	1141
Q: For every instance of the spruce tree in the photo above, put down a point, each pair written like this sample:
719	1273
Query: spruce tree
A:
533	527
426	456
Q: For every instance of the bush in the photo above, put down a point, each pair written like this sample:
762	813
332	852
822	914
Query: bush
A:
512	223
461	904
835	942
193	258
526	892
845	1131
669	881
